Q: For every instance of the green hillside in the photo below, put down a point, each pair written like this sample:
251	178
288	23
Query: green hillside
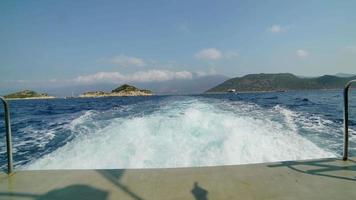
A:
129	88
282	81
25	94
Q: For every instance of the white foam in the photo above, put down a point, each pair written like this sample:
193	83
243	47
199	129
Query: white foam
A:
181	134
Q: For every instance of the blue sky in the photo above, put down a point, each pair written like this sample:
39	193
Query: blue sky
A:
85	42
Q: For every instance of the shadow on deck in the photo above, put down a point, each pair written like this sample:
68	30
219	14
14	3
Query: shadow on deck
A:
79	191
66	193
325	168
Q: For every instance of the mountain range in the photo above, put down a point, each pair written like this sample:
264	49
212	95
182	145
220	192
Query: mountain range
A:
280	81
210	84
196	85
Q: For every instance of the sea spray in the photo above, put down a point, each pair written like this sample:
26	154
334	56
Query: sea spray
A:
183	132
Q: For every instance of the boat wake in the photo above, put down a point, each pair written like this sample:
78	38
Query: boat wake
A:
189	132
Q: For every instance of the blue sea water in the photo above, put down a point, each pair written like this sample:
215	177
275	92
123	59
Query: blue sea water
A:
177	131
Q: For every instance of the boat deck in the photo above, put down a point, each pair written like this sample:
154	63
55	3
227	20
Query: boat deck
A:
312	179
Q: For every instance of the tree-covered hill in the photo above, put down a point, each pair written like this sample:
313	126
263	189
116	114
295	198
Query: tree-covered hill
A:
281	81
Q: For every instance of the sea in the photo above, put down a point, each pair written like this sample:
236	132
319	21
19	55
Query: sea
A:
177	131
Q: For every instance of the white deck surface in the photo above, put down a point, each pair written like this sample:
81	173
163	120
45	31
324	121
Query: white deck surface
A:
316	179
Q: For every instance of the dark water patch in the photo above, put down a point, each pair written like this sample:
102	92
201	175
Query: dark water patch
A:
273	97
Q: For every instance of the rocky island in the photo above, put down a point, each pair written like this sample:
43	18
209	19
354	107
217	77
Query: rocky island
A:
28	94
124	90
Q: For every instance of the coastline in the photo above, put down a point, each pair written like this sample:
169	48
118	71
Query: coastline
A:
115	94
102	96
276	91
31	98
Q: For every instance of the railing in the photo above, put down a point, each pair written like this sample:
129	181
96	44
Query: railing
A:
346	119
10	167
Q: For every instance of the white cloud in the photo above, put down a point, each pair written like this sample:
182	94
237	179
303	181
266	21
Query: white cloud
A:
277	29
209	54
210	72
215	54
153	75
21	81
100	77
231	54
126	61
302	53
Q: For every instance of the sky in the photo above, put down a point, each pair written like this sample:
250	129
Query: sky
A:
69	42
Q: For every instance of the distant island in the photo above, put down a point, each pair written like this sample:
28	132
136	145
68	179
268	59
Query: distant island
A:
28	94
124	90
279	82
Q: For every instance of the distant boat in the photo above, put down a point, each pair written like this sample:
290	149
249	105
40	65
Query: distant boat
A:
231	90
70	97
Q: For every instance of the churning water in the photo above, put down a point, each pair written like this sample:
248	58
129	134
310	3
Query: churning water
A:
177	131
